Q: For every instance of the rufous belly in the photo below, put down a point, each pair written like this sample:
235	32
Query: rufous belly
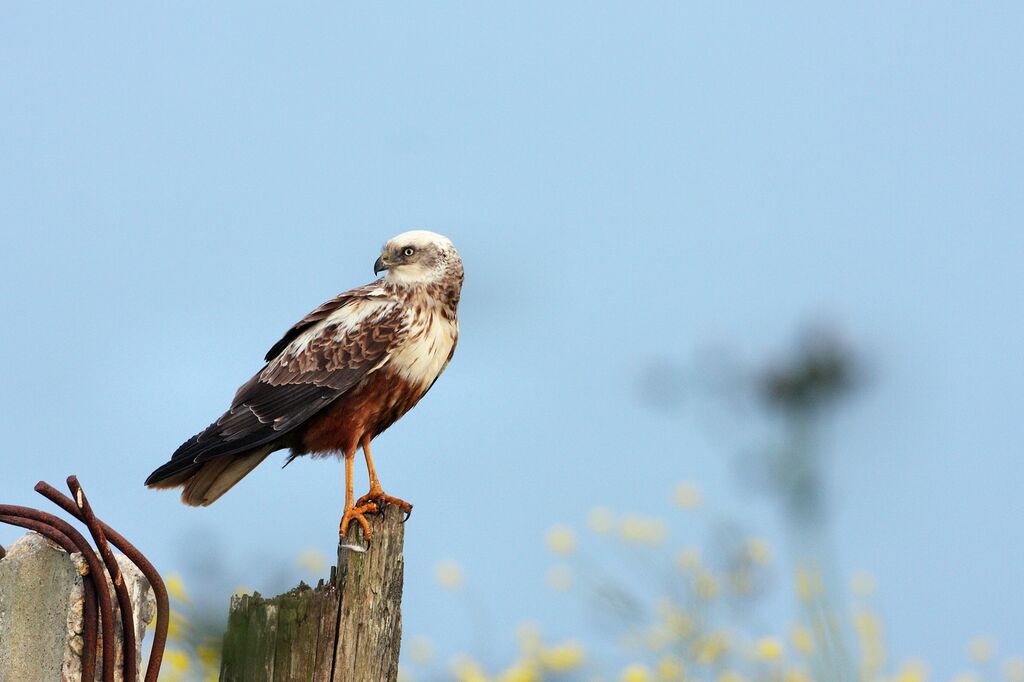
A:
373	405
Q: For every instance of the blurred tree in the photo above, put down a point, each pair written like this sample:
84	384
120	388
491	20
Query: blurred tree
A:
794	398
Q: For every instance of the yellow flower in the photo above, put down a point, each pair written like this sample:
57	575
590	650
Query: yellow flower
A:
688	559
912	671
466	669
803	640
421	650
562	657
872	648
867	624
1013	669
636	673
560	540
449	575
176	588
769	649
642	530
313	561
863	584
981	649
176	626
523	671
680	623
710	648
178	661
705	586
688	495
601	520
808	583
759	551
209	655
671	669
797	675
560	578
872	656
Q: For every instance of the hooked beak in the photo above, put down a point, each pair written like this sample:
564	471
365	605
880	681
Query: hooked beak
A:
379	266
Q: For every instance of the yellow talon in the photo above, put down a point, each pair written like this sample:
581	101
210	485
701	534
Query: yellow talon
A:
356	513
380	499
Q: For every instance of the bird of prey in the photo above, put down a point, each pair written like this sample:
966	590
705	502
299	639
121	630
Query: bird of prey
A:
338	378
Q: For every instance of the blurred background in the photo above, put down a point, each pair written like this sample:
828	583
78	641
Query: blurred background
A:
738	386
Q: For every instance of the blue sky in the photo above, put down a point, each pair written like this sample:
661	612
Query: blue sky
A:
625	181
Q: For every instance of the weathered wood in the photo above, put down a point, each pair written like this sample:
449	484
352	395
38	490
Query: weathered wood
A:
347	629
41	602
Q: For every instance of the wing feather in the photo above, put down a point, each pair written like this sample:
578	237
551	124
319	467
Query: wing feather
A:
317	360
321	312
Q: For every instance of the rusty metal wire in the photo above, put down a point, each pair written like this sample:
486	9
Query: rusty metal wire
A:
95	589
124	601
163	605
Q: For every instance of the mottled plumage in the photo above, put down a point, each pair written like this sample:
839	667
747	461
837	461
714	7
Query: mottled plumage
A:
338	377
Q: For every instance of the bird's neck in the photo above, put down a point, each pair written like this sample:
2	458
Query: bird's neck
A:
443	292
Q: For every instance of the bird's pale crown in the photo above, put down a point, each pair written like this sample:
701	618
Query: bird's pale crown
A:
418	257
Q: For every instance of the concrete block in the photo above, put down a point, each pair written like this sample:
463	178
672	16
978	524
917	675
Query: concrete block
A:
41	605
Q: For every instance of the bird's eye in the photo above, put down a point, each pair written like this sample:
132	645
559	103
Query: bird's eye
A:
409	251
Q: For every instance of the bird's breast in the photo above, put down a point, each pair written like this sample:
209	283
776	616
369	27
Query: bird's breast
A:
427	348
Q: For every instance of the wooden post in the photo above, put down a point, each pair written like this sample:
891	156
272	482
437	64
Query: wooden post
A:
347	629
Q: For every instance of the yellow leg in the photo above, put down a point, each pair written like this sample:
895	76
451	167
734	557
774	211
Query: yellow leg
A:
374	481
353	511
376	494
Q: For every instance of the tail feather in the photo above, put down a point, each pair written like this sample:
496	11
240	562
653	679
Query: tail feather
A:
205	482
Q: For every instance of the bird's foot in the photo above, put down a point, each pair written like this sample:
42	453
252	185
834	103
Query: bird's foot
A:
356	512
380	499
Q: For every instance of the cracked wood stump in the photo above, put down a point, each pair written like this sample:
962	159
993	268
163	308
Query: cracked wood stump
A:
347	629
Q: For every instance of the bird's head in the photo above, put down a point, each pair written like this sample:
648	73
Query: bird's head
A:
419	257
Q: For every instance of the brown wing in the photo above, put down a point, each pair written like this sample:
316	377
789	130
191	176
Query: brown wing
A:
316	361
321	313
